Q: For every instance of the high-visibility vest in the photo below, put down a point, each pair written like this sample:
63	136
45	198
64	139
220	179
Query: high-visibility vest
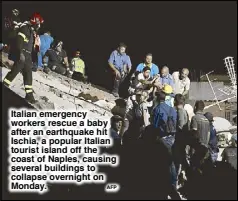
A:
78	65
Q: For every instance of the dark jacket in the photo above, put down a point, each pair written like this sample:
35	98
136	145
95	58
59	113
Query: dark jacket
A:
25	38
114	134
160	117
201	124
213	139
229	155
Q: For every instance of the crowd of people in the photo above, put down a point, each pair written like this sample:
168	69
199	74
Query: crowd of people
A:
175	152
153	118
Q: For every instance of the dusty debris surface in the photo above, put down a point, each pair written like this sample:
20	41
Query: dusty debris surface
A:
54	91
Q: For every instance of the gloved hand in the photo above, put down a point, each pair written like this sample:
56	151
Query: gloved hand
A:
22	57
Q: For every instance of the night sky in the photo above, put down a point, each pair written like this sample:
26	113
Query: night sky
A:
196	35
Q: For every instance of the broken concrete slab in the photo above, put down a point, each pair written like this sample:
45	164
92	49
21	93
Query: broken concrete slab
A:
51	96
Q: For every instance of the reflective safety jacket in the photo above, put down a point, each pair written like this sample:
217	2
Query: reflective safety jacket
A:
78	65
25	38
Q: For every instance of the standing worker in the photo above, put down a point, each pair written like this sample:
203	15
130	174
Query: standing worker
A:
120	64
25	44
78	68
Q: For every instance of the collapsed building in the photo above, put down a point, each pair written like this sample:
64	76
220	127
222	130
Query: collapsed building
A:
57	92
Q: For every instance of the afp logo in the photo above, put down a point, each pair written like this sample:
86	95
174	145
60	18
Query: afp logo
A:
112	188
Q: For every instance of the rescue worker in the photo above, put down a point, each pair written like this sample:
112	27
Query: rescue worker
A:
213	141
120	64
165	77
24	44
169	99
136	116
12	25
57	59
154	69
142	80
78	68
45	40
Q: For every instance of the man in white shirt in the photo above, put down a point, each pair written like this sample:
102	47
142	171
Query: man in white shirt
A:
181	82
142	81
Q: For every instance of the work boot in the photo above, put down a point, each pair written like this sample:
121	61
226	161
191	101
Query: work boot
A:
30	98
34	69
39	69
46	70
115	94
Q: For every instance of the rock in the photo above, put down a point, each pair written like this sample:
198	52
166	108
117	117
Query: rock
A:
88	97
45	105
44	98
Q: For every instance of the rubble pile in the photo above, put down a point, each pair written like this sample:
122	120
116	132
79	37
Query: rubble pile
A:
54	91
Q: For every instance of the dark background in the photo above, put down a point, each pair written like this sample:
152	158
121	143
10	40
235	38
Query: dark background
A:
196	35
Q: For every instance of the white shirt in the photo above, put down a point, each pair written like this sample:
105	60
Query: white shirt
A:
137	83
180	86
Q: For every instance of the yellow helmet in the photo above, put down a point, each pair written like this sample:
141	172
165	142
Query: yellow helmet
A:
167	89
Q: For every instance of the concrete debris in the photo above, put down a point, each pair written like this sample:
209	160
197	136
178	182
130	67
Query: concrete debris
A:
52	92
88	97
45	98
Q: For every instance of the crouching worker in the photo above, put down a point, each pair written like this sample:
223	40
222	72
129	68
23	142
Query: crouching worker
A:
136	116
57	60
78	68
45	42
23	54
